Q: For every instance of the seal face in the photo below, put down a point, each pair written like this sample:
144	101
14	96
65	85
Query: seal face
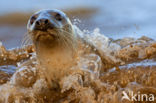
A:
50	27
53	36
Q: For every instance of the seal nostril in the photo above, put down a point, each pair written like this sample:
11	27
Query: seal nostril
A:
46	21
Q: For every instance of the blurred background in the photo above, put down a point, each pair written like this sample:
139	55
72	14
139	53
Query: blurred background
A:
115	18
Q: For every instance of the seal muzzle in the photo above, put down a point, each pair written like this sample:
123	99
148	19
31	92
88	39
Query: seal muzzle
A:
43	24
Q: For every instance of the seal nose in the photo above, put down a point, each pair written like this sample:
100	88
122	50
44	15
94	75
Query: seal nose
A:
43	24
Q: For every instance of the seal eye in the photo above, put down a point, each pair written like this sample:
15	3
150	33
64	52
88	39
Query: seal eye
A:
58	17
33	18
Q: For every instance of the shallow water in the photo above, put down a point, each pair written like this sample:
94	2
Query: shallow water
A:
124	65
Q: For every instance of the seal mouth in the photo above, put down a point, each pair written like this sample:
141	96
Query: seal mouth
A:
45	34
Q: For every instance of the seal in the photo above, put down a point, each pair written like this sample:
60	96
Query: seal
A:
55	41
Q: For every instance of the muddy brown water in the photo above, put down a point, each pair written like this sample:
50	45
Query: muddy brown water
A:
128	74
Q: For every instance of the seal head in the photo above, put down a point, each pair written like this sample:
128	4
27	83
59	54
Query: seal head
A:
49	27
55	42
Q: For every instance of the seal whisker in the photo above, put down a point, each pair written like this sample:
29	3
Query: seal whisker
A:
69	38
26	40
64	41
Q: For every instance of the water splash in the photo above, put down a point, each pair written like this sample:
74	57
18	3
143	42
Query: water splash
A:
132	68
